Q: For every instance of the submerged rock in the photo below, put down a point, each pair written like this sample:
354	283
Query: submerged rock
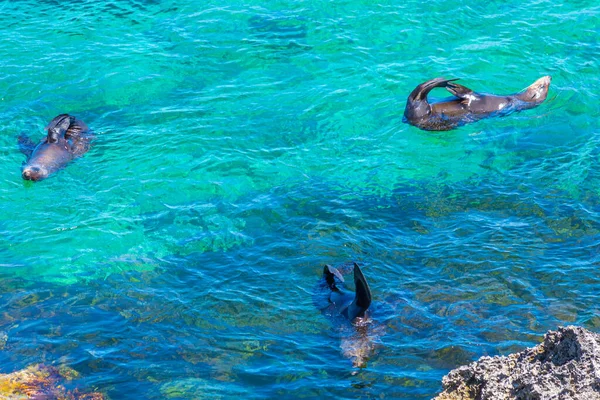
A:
3	340
41	382
199	388
565	366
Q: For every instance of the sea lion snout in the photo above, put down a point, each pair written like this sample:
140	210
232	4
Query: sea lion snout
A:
546	79
34	173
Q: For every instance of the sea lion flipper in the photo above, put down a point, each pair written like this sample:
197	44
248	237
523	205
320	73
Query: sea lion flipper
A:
421	91
58	127
459	91
78	129
330	273
362	299
57	120
26	145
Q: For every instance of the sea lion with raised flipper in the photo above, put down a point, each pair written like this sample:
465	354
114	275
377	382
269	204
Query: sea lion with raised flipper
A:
467	106
67	138
349	311
348	304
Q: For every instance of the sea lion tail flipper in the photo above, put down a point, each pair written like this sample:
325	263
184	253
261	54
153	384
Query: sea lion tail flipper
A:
421	91
330	273
26	145
362	299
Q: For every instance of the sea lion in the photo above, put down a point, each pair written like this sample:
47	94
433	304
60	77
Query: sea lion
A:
466	105
68	138
349	312
349	305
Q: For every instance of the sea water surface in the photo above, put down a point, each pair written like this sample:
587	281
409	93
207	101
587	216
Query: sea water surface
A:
242	145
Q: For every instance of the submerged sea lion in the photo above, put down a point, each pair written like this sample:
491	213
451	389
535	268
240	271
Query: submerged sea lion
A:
467	105
349	312
68	138
347	304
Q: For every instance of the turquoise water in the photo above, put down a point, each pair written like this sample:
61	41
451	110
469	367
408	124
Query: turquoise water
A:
240	147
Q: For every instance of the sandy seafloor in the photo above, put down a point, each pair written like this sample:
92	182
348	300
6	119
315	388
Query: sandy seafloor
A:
242	146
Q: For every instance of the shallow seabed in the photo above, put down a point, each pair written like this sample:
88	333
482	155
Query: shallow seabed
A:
241	147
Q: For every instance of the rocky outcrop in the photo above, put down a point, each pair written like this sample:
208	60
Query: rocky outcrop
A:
565	366
42	382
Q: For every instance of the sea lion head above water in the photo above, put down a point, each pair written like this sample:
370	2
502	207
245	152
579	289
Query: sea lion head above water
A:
34	173
537	92
47	158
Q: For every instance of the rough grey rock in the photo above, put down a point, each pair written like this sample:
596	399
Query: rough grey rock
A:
565	366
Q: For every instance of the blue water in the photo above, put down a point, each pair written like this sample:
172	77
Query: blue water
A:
242	146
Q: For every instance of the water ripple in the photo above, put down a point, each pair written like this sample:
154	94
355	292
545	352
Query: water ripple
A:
239	148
